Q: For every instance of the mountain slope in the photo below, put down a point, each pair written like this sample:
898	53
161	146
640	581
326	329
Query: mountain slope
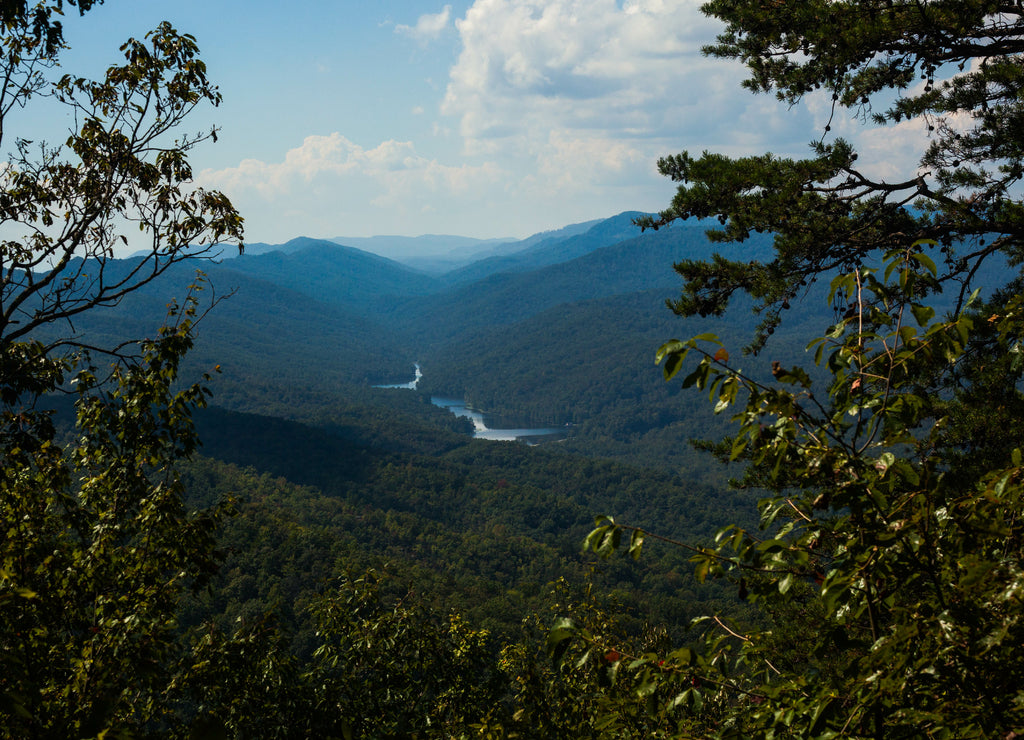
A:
337	275
402	248
641	263
561	246
275	346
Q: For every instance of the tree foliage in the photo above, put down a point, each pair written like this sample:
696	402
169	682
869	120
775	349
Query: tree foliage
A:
890	569
889	566
96	545
122	170
97	550
949	71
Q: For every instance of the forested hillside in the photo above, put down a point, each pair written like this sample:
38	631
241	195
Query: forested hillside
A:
548	249
217	523
304	332
480	527
334	274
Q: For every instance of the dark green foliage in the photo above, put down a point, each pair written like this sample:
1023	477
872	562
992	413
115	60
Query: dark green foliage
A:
900	570
825	213
890	560
96	546
481	527
400	671
384	666
97	550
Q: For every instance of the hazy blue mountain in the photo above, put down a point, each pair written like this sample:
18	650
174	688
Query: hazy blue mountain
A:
557	234
450	255
253	248
269	340
438	255
432	253
551	248
337	275
641	263
401	248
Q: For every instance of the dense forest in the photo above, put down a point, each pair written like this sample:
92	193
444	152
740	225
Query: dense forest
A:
787	497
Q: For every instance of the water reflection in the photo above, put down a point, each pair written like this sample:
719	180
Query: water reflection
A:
412	384
480	428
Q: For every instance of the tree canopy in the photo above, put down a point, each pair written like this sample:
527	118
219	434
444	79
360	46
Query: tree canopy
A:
945	74
96	545
889	566
122	174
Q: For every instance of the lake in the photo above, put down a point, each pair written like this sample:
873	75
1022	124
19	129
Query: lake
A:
480	428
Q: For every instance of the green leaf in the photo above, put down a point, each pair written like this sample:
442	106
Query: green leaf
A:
672	364
648	686
923	314
584	659
697	376
559	637
786	583
672	347
636	543
926	262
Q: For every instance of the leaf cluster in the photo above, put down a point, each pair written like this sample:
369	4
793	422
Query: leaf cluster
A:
66	208
900	572
950	69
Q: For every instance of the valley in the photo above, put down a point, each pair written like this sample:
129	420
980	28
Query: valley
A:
479	420
344	436
555	339
750	465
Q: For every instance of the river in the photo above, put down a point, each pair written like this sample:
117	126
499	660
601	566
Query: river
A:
480	428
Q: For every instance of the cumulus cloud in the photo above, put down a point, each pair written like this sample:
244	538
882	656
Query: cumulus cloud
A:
327	181
332	155
533	65
561	109
602	88
428	26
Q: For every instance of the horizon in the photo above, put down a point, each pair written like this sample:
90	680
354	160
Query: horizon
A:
475	118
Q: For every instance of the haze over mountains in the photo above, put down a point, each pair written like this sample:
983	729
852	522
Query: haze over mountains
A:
557	330
432	253
560	328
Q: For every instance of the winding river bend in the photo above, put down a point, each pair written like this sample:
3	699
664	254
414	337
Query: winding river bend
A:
480	428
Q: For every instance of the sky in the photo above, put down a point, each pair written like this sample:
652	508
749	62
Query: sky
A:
490	118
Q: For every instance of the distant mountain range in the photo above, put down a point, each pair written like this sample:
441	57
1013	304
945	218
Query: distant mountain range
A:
560	327
431	253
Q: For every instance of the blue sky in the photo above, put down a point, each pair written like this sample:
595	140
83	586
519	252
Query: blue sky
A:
493	118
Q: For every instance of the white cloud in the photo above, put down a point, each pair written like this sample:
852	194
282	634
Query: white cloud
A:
324	185
555	111
598	88
583	164
428	26
533	65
